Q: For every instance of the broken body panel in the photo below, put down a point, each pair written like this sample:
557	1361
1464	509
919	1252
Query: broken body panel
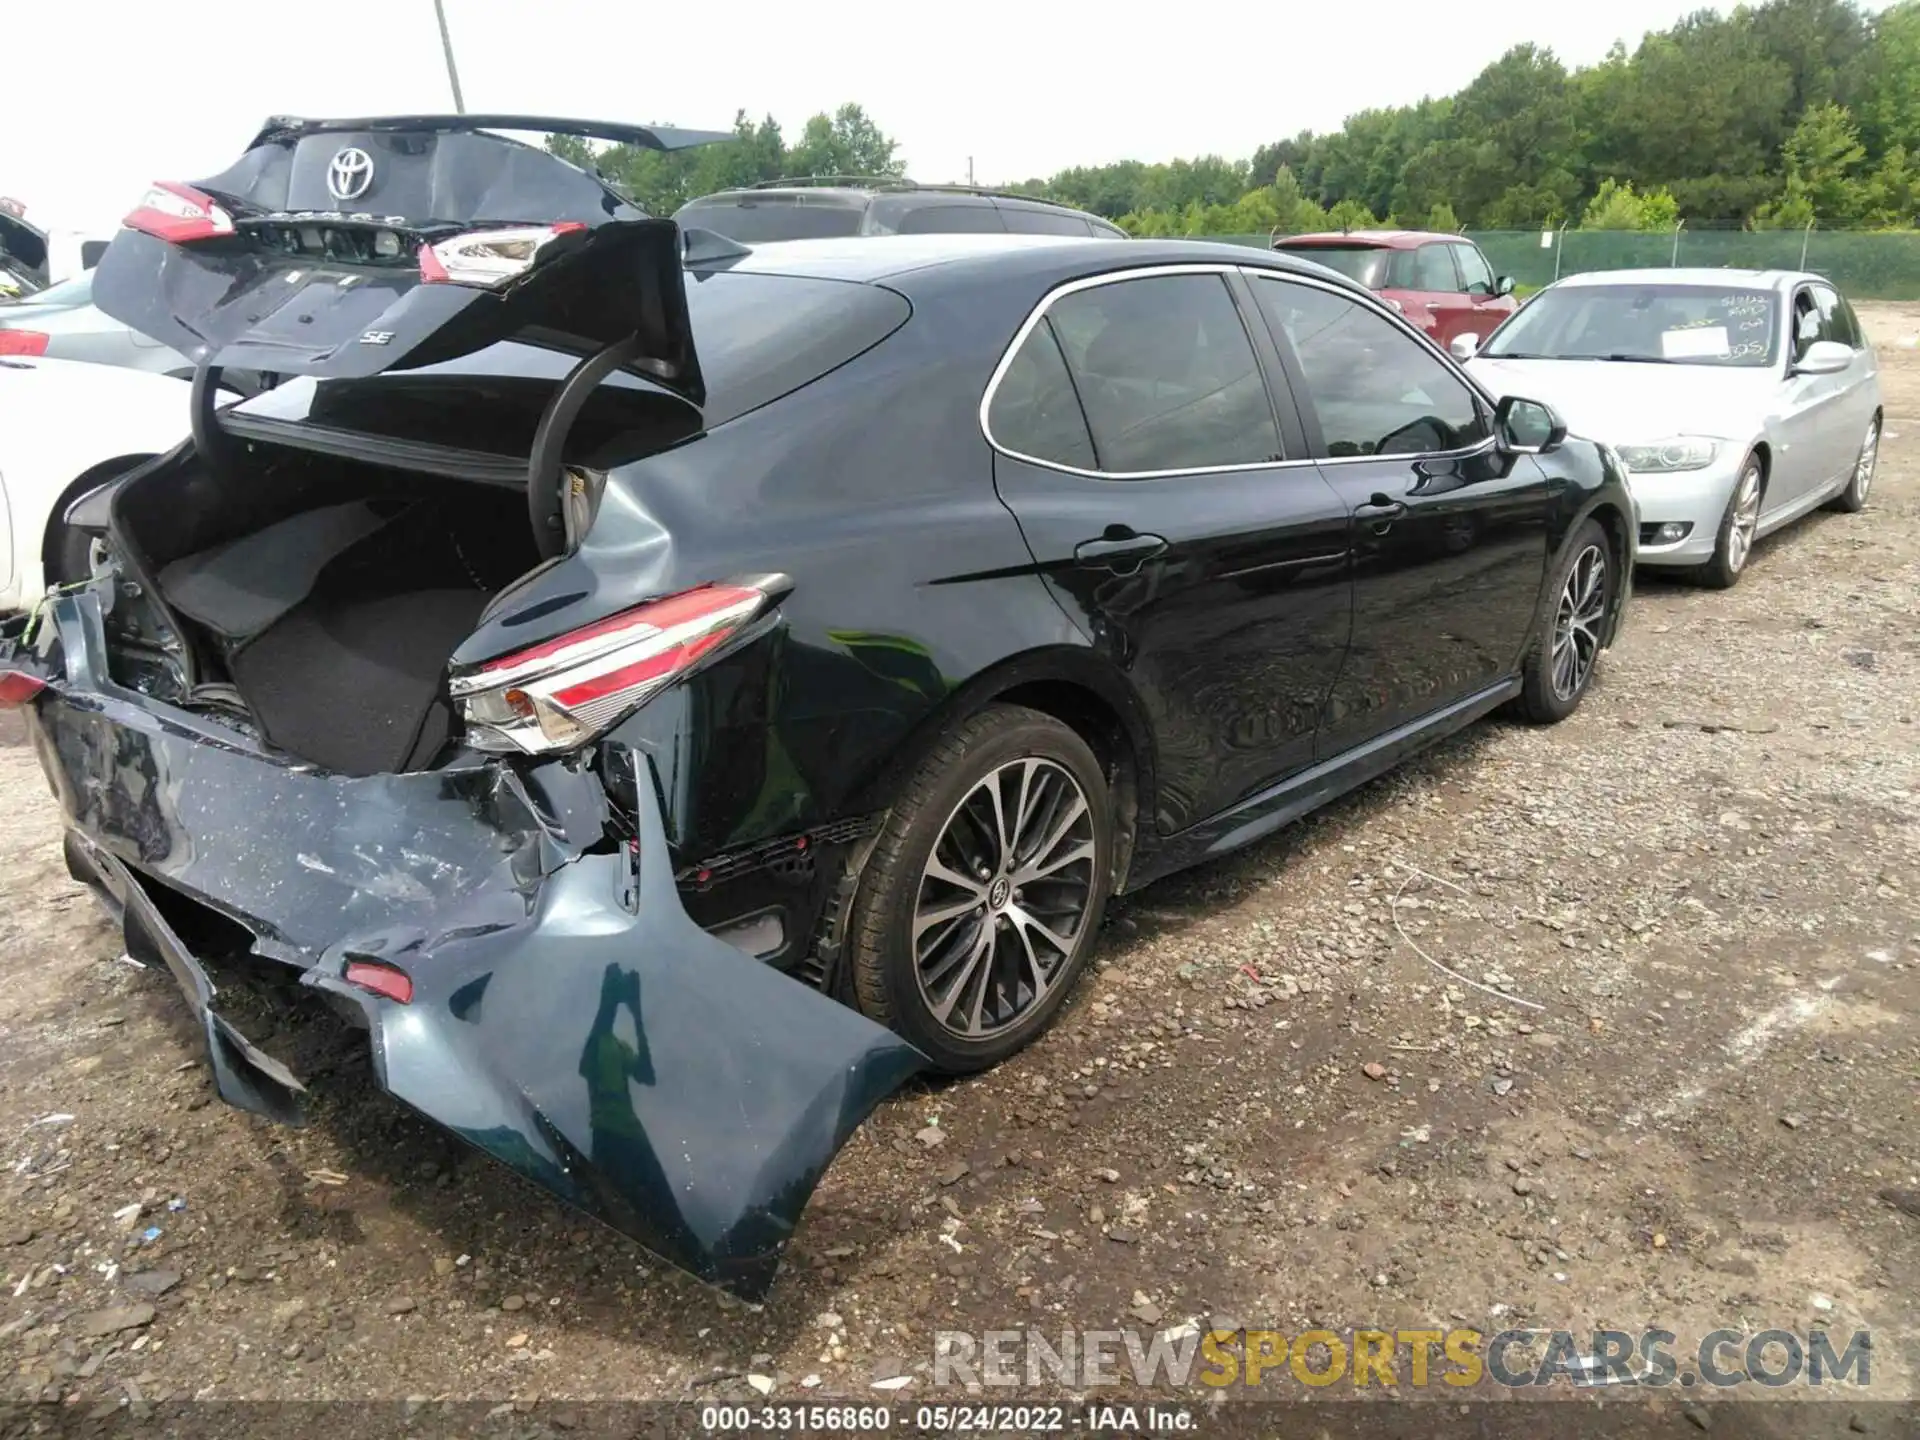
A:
567	1017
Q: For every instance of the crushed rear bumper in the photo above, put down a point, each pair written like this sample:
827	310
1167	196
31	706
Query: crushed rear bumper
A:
567	1016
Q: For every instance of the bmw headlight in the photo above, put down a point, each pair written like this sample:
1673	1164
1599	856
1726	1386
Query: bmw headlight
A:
1682	452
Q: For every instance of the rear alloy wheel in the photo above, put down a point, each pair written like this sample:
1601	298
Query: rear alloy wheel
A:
1738	528
1853	499
985	890
1573	620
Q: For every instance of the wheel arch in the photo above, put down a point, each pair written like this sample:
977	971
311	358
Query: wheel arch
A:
1081	691
88	480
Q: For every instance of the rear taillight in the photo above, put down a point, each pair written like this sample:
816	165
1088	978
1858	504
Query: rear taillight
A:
177	214
387	980
22	342
489	257
559	694
17	688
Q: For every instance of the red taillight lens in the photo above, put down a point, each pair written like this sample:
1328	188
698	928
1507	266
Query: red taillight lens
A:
17	688
22	342
489	257
381	980
562	692
178	213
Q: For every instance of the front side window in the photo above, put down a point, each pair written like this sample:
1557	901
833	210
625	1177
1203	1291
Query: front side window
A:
1161	369
1476	276
1807	325
1836	317
1375	389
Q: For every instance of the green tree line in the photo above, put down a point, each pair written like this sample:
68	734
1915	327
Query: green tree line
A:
1775	115
1770	116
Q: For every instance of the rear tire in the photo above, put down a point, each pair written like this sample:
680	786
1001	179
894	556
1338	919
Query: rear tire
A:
1739	528
984	892
1573	616
1853	499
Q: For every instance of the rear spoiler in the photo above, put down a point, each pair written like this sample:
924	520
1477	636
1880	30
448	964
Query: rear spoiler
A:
280	129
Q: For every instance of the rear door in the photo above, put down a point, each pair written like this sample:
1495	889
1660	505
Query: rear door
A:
1448	533
1171	510
1429	290
1486	308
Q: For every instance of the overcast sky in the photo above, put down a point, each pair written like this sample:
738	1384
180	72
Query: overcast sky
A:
139	91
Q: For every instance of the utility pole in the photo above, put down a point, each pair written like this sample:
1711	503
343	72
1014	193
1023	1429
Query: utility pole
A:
446	44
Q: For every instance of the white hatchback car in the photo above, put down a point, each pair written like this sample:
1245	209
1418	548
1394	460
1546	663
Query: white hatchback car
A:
1738	399
66	428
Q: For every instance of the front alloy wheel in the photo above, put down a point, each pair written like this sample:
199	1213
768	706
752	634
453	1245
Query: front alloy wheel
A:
1577	622
1853	499
1738	528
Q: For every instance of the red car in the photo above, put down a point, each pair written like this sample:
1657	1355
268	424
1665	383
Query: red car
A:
1442	283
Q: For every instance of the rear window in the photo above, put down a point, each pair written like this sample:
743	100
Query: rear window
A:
758	219
758	337
1365	263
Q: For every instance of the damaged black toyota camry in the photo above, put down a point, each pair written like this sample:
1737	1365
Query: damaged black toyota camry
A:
669	693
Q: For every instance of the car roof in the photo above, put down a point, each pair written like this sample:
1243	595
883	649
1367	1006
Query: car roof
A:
1379	239
1695	275
877	258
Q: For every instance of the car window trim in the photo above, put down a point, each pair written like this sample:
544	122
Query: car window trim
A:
1290	364
1225	270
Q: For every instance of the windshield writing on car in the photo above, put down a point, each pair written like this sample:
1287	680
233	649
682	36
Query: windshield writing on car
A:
1655	324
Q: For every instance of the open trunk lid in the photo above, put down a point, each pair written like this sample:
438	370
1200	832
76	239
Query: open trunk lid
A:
342	249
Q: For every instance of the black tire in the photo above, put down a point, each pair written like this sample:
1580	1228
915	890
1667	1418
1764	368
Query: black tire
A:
1730	553
887	974
1544	699
1853	499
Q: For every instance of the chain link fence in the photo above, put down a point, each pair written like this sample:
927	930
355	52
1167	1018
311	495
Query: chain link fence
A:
1865	264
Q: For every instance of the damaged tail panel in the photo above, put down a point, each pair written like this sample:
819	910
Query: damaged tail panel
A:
563	1012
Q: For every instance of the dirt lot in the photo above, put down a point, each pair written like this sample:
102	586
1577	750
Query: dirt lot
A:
1700	898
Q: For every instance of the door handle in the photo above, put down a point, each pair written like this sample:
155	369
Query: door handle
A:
1381	507
1381	510
1120	550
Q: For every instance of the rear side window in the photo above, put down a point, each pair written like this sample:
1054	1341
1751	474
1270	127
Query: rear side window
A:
754	220
1035	411
952	220
1428	268
1165	375
1043	222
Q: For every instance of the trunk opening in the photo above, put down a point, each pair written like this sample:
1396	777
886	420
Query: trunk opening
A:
310	599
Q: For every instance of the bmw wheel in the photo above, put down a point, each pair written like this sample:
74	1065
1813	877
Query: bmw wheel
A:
1739	526
1853	499
985	890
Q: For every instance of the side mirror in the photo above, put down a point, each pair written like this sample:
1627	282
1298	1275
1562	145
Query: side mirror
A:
1528	427
1823	357
1503	286
1464	346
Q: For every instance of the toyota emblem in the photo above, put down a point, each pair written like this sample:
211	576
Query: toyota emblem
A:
350	174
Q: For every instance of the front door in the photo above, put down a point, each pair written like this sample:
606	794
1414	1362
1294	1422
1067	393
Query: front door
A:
1139	448
1806	423
1449	533
1486	306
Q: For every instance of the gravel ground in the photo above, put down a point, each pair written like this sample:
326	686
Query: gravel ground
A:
1675	1095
